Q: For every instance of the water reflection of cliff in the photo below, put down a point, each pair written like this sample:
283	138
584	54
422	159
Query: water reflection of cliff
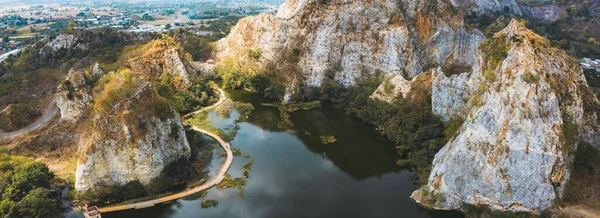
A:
359	155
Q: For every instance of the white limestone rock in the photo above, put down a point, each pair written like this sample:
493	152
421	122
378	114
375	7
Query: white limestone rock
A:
131	143
450	95
175	64
161	58
350	39
61	41
511	152
75	95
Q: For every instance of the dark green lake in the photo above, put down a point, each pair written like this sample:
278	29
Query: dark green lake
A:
296	175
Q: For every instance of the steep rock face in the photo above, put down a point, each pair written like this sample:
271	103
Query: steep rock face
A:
450	95
349	39
75	94
131	138
61	41
159	58
522	123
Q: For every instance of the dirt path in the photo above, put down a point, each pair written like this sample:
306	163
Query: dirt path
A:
51	110
213	181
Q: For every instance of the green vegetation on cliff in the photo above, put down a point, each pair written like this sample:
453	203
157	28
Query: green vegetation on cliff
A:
26	80
265	81
411	124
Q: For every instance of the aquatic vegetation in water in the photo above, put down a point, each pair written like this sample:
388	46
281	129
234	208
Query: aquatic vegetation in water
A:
328	139
209	203
284	109
247	168
295	106
237	183
244	109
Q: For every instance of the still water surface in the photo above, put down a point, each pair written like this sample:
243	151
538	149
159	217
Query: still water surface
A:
296	175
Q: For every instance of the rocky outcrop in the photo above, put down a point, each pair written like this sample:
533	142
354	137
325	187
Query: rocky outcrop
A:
396	86
75	93
524	112
8	54
450	95
61	41
133	135
158	58
350	39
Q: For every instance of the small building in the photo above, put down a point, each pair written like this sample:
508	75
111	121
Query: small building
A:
91	212
210	61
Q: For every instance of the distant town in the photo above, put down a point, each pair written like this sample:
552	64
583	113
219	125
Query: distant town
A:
22	24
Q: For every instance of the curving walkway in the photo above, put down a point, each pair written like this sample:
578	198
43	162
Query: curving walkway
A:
213	181
46	117
222	99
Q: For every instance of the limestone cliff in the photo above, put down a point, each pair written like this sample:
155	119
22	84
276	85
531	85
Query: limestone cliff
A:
159	57
75	93
59	42
526	105
133	135
350	39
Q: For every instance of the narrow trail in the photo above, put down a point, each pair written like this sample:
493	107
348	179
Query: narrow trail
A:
212	182
49	113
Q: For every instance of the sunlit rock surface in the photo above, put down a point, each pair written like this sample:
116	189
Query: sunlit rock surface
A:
522	123
133	141
351	39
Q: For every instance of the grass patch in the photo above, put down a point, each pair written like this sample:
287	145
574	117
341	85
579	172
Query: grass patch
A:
495	51
530	78
201	120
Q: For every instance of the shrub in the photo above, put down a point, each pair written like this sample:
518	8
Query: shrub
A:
530	77
254	53
495	51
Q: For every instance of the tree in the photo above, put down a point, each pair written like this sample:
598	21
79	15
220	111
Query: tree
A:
30	176
8	208
146	16
71	26
168	26
38	204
